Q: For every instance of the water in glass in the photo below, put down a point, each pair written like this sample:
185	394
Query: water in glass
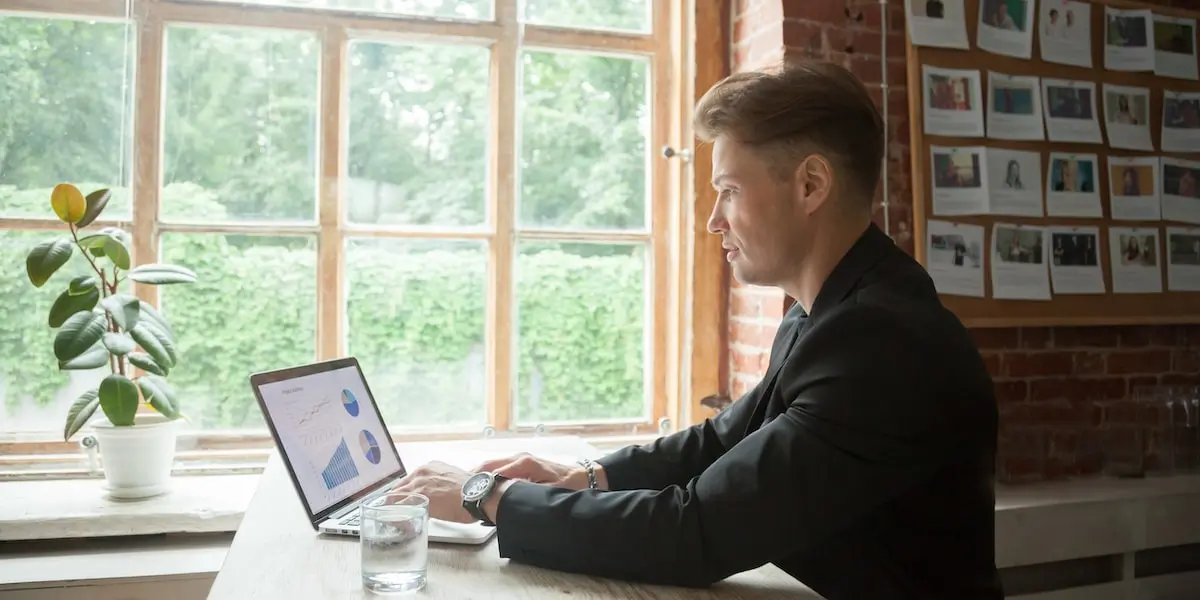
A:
395	542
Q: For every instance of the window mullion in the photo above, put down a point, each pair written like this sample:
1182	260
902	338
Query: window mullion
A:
331	308
501	212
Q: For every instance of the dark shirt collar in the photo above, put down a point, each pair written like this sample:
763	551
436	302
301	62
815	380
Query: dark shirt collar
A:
872	246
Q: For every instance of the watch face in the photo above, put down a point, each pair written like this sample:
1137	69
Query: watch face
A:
477	486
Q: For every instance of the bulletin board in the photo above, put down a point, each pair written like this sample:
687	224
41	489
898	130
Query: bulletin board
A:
1109	308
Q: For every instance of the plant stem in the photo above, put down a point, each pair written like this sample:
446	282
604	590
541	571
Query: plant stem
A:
87	255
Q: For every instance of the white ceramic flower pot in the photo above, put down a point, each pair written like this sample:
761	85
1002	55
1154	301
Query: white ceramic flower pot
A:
137	460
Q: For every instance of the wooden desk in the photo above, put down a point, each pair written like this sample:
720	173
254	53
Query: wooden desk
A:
276	553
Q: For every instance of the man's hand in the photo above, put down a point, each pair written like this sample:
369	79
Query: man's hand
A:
442	484
527	467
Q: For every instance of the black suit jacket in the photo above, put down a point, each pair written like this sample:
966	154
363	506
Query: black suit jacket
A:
862	464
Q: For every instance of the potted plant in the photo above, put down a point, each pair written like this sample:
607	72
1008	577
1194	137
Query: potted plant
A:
97	324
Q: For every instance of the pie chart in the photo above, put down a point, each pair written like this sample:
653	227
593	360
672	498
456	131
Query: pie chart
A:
369	446
350	403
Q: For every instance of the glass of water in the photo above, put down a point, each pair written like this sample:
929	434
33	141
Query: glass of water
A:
394	535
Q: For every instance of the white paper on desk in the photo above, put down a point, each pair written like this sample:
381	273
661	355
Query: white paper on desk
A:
953	102
1133	259
939	23
958	180
1070	107
1071	186
1175	47
1128	40
955	257
1065	33
1075	260
1180	190
1018	263
1127	117
1183	259
1015	109
1014	182
1006	27
1133	188
1181	122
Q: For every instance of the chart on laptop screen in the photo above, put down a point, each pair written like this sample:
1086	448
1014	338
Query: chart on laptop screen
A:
329	430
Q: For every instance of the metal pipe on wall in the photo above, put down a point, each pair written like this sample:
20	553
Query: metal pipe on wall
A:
883	86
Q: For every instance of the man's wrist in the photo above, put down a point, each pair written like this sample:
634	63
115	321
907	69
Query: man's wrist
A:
491	506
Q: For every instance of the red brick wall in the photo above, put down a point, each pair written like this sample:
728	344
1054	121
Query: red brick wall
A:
1063	392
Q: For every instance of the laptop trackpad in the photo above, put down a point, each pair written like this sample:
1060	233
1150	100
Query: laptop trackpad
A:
459	533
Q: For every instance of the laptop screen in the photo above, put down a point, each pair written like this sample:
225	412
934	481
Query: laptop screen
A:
330	434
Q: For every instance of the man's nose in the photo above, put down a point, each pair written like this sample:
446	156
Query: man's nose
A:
716	220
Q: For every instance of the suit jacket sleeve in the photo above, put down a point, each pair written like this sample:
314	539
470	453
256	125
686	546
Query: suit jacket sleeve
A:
677	458
856	432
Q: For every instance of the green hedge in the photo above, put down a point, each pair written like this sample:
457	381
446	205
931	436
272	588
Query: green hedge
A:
415	320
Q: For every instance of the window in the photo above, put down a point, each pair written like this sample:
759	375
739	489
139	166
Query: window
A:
466	195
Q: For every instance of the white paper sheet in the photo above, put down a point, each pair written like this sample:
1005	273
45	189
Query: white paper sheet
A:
1127	117
1065	32
1006	27
1014	182
940	23
1018	262
1133	257
953	102
1072	188
1075	260
1133	188
955	257
1180	190
1181	122
1183	259
1175	47
959	180
1128	40
1015	108
1070	107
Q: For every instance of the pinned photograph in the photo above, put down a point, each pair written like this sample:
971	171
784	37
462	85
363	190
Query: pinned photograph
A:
953	102
1128	40
955	257
1133	188
938	23
1065	34
1183	259
1127	117
1071	189
1180	190
1005	27
1175	47
1014	182
1075	260
959	181
1133	258
1070	108
1015	107
1181	122
1018	264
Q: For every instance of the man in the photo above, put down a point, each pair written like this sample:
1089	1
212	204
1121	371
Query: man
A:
862	464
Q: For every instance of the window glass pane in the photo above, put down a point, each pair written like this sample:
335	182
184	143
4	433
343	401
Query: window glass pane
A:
418	134
240	130
416	324
475	10
252	308
34	394
581	332
627	15
66	101
584	141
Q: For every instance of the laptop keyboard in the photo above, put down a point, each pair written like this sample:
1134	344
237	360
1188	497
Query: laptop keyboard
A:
350	519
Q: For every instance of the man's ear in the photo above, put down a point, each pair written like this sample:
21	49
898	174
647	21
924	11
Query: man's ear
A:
814	181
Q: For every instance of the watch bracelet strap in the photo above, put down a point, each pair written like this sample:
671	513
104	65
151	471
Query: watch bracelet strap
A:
590	468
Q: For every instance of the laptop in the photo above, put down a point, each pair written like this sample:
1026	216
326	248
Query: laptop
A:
336	447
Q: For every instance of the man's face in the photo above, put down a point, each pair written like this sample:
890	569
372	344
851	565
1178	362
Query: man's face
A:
757	215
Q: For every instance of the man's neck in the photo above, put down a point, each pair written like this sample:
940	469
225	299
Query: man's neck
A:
828	250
